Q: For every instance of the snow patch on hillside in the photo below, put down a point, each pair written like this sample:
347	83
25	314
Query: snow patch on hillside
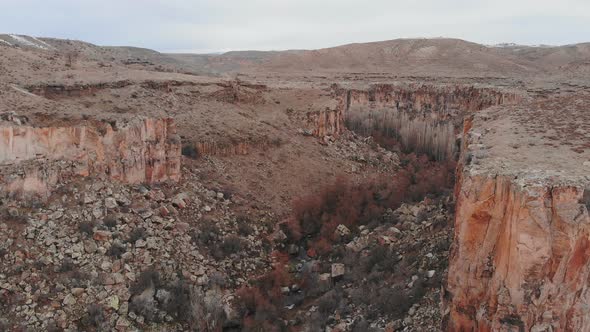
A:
43	43
22	40
23	91
514	45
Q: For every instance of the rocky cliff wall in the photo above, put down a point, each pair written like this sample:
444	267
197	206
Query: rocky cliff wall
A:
58	91
436	102
521	254
429	98
327	122
33	159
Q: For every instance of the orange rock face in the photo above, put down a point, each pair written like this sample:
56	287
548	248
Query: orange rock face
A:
34	159
327	122
521	257
521	254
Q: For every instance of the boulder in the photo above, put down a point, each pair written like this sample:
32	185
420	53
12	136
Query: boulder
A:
338	270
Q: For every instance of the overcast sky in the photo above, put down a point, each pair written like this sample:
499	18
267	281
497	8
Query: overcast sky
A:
222	25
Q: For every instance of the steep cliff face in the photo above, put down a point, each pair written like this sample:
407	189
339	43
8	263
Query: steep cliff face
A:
74	91
521	254
435	102
521	257
34	159
327	122
429	98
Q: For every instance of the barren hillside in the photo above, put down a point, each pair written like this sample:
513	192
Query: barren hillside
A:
421	57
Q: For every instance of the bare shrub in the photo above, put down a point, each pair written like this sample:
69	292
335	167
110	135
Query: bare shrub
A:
187	304
147	279
232	245
421	216
142	300
277	141
51	327
87	227
79	279
343	203
392	302
178	305
329	302
248	300
110	222
272	282
116	250
310	282
71	58
66	265
207	234
418	291
206	311
362	325
258	313
138	233
381	258
13	215
190	150
244	227
144	306
94	317
261	305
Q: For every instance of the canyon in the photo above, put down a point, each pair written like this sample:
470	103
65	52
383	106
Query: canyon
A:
439	103
294	191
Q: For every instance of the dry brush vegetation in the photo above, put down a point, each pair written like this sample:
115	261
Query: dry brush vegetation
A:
264	304
421	135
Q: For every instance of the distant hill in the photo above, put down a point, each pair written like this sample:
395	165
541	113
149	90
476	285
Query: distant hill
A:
416	56
432	57
405	56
